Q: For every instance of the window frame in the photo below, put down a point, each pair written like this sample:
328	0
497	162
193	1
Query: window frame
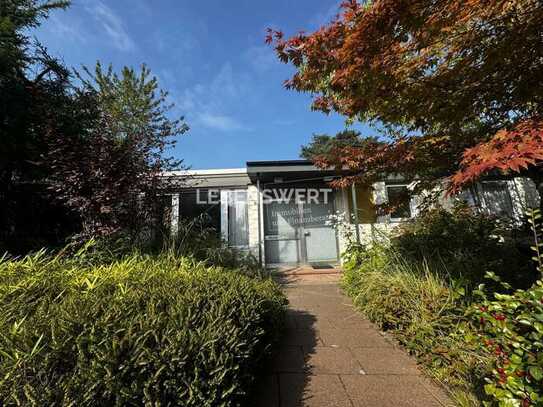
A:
399	219
225	212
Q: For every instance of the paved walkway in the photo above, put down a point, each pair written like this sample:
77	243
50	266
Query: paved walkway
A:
331	356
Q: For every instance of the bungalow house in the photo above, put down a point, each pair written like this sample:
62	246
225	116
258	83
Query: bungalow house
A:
279	210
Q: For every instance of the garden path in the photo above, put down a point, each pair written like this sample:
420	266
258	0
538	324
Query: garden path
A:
332	357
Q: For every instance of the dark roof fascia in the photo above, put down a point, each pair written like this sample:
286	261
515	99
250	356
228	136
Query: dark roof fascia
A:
278	163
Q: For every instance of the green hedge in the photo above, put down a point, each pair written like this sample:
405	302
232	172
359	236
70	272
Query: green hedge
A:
139	331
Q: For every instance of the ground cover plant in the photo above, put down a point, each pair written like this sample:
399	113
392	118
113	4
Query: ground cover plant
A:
424	287
139	330
511	330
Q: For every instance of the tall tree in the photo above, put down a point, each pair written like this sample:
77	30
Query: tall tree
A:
323	144
111	173
33	86
448	75
30	82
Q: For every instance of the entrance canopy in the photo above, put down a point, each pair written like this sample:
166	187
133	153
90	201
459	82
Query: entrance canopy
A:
286	170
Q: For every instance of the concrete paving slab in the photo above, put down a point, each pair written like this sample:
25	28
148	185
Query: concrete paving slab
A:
301	337
385	361
325	360
290	359
388	390
364	338
312	391
332	356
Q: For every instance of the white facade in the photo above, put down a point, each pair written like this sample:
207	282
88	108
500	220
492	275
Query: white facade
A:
289	233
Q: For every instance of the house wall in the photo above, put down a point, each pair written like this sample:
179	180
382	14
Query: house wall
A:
253	208
522	193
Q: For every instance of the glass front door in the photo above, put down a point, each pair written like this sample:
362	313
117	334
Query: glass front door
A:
296	232
319	238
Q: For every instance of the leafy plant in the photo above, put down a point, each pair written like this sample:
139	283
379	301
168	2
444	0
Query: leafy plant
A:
424	312
511	330
111	174
195	238
142	330
470	244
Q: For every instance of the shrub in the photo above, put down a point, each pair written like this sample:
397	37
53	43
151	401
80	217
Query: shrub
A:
469	244
511	331
195	238
423	286
142	330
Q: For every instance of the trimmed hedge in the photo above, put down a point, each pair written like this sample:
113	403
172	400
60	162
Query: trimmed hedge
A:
140	331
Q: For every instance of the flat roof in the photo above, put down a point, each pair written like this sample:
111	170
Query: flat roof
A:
217	171
278	163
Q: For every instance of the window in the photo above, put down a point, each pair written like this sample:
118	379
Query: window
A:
497	199
396	195
195	205
238	228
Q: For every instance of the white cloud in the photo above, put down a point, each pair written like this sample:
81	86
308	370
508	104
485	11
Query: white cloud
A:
261	58
112	25
210	104
219	122
71	29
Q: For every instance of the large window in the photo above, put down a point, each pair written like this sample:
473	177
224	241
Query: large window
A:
396	195
196	205
223	210
497	199
238	228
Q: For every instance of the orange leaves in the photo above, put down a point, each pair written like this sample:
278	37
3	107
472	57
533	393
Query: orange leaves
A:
452	71
509	150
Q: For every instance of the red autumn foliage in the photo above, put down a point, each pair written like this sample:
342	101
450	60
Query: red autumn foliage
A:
507	151
451	72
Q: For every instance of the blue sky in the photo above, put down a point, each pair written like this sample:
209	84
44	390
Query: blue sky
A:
211	57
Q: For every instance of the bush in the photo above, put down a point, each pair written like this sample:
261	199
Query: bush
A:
142	330
468	243
195	238
511	331
423	286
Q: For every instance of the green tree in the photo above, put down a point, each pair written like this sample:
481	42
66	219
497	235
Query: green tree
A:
34	90
323	144
111	174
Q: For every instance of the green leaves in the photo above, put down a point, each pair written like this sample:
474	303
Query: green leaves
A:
534	218
511	332
139	331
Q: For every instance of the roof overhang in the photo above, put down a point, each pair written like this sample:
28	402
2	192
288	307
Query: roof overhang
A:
287	170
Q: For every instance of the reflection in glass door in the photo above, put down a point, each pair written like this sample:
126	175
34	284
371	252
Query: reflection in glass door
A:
319	238
297	233
234	218
281	234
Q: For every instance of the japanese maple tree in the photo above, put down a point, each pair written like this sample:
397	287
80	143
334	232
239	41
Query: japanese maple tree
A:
444	76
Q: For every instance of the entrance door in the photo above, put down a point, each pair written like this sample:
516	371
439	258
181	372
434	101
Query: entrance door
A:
298	233
319	238
281	233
